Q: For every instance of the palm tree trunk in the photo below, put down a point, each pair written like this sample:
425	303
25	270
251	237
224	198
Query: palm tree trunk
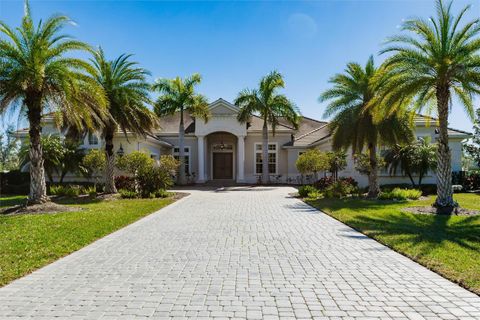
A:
373	187
411	179
181	150
444	166
265	172
110	168
38	188
420	177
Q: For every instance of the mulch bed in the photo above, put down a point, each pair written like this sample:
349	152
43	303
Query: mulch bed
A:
48	207
433	210
52	207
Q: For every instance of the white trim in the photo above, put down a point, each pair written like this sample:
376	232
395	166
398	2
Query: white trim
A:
261	151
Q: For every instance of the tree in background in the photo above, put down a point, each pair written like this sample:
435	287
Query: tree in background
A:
350	104
178	95
71	160
312	161
53	151
62	156
400	158
363	163
127	91
38	73
417	158
425	158
434	61
270	106
472	148
93	164
337	162
8	151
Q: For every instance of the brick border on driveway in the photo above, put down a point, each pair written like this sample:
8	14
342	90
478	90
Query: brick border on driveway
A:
243	252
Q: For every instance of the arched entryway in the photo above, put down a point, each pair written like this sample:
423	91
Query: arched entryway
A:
221	157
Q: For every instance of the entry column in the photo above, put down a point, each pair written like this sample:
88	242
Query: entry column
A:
201	159
241	158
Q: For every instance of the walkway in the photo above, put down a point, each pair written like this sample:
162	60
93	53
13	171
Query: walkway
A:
246	253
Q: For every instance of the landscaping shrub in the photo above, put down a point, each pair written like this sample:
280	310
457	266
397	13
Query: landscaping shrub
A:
153	179
125	182
350	181
470	180
162	193
127	194
400	194
66	190
323	183
303	191
314	194
340	189
91	190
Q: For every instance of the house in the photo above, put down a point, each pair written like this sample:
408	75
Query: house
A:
225	149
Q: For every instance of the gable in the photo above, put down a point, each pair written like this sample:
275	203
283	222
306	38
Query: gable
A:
222	110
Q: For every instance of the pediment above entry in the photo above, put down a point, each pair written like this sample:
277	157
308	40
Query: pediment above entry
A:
223	119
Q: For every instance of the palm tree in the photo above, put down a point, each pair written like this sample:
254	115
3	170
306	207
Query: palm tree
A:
127	91
426	158
178	95
401	157
353	124
439	58
270	107
38	74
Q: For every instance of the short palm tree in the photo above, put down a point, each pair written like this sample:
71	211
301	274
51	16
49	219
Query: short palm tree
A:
271	107
439	58
353	122
426	158
178	95
127	92
401	157
38	74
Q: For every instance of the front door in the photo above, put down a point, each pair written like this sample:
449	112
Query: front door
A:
222	165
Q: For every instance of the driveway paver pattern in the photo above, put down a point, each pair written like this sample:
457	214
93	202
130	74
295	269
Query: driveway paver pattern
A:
253	253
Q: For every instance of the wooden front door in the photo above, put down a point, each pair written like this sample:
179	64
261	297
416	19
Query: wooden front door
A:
222	165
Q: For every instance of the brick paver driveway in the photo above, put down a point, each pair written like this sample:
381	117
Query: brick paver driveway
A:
245	253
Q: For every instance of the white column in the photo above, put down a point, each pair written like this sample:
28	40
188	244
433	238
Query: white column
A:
241	158
201	159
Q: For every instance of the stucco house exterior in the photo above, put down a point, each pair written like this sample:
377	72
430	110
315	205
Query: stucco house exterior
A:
225	149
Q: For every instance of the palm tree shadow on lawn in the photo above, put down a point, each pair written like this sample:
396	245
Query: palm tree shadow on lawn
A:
424	232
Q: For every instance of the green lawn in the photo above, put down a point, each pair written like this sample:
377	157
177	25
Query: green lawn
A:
28	242
449	245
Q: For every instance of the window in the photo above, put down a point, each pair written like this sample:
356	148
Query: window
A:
176	151
92	139
272	158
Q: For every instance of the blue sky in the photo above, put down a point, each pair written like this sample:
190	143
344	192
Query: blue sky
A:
233	44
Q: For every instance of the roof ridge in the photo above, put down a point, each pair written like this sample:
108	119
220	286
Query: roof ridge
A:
319	121
310	132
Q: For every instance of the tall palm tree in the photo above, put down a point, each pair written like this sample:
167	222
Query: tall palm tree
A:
127	91
178	95
270	107
38	74
437	59
353	122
